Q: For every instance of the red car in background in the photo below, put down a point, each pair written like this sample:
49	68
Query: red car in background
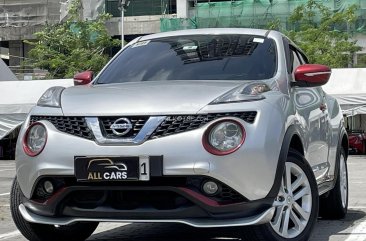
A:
357	142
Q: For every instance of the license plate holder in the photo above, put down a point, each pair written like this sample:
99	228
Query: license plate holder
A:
116	168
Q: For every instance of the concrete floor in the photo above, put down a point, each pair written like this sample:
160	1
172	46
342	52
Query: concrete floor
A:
352	228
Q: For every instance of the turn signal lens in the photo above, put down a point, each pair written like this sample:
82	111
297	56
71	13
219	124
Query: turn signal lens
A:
52	97
248	92
35	139
224	137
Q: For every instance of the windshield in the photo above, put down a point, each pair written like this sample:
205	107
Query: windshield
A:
195	57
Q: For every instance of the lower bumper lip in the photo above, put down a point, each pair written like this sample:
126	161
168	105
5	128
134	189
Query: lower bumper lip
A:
261	218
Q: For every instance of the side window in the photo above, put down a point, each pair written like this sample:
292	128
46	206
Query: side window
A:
303	58
288	55
294	57
295	60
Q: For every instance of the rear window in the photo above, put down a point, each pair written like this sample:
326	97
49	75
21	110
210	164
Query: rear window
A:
196	57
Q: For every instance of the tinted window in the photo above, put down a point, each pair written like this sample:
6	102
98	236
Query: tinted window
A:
197	57
296	61
303	58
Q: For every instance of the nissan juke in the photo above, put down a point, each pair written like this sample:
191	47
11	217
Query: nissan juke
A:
209	128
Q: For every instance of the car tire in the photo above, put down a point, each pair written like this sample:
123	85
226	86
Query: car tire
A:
295	164
42	232
334	204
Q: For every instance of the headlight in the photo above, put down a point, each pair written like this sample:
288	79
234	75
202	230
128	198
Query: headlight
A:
249	92
52	97
35	139
224	137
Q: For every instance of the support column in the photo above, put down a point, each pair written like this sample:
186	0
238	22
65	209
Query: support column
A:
182	8
15	51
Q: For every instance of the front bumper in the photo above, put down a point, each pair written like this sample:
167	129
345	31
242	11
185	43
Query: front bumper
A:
261	218
144	202
161	197
251	170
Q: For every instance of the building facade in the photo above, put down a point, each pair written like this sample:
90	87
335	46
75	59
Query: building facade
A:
20	19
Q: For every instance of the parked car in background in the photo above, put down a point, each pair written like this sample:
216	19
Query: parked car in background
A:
208	127
357	142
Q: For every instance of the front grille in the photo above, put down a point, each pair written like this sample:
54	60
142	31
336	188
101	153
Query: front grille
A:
127	199
171	125
228	194
181	123
137	122
225	195
72	125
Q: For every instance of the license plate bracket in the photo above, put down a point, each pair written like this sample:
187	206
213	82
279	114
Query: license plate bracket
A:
116	168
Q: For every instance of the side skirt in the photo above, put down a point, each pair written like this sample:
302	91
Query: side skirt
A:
326	186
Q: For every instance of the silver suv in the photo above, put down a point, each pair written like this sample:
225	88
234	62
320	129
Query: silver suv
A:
209	127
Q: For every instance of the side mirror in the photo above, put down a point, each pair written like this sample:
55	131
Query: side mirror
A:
83	78
312	75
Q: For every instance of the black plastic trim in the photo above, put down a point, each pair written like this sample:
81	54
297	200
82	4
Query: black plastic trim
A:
156	166
55	206
339	147
192	212
304	84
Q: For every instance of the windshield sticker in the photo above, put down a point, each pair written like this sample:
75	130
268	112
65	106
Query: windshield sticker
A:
142	43
190	47
258	40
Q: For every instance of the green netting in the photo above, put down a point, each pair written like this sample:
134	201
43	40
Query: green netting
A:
172	24
254	13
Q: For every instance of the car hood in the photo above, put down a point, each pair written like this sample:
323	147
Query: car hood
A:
143	98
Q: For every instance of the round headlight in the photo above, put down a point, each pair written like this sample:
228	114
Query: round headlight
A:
35	139
224	137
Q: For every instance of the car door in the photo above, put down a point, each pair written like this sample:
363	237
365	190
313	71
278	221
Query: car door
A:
311	108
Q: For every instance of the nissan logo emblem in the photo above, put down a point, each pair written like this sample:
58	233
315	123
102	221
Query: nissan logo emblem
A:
121	126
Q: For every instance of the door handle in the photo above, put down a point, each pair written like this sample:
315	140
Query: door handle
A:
323	107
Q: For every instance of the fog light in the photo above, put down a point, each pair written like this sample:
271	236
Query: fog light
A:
48	187
210	188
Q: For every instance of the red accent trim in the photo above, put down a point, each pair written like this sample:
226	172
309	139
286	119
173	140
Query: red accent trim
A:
200	197
321	78
26	149
83	78
213	150
52	198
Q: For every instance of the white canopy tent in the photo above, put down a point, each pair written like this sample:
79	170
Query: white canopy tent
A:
18	97
349	87
5	73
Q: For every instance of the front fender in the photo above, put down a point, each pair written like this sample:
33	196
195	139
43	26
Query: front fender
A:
290	133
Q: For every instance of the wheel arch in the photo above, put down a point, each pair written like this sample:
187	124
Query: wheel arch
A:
291	140
296	144
344	142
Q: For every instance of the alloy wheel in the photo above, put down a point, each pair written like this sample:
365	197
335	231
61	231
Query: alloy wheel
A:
293	203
